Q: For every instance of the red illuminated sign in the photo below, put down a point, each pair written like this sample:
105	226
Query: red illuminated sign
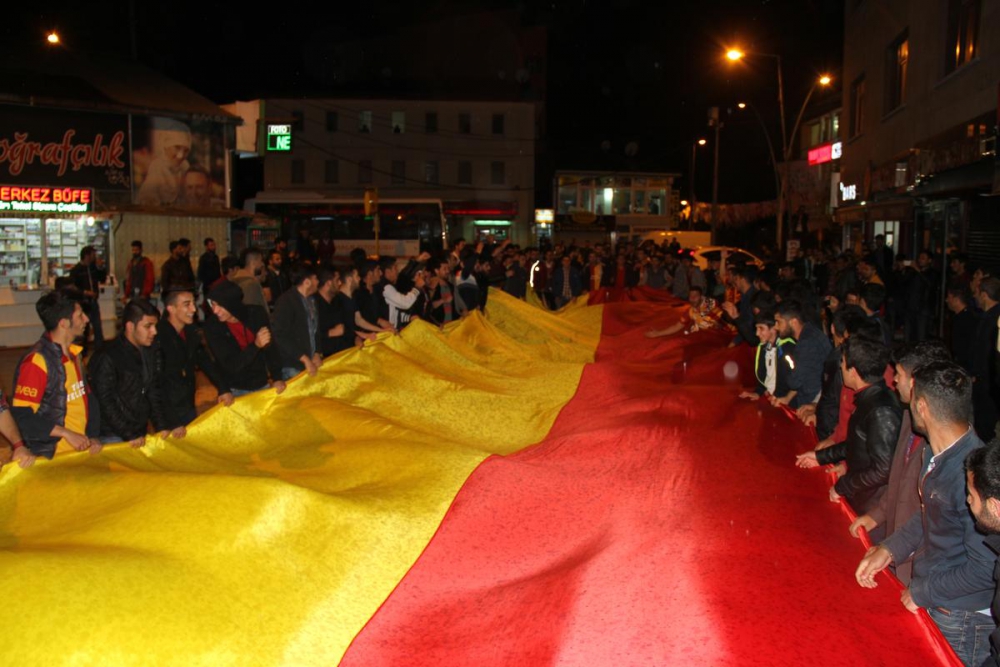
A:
44	199
821	154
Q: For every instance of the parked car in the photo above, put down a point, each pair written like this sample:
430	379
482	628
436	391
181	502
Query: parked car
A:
735	256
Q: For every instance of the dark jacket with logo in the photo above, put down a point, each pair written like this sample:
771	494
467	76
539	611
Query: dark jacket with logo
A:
36	426
811	350
872	433
245	369
781	367
179	360
952	566
126	381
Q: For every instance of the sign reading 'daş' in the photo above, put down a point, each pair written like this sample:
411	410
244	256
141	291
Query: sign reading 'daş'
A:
43	199
279	137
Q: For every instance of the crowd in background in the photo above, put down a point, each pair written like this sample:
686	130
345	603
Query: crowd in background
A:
851	345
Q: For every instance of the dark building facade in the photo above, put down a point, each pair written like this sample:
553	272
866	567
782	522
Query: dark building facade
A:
919	123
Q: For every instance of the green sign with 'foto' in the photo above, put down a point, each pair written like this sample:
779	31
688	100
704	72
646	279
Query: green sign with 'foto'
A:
279	137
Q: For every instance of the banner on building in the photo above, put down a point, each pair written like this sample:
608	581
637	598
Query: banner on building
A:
179	164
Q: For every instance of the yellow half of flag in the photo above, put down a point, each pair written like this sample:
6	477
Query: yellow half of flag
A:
276	528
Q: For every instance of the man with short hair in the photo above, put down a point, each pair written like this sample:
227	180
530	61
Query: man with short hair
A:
181	348
52	402
811	350
952	566
872	430
741	314
276	280
982	474
87	276
249	278
566	282
985	392
140	276
175	272
209	265
125	377
440	307
771	367
964	322
872	298
296	325
399	297
331	313
901	500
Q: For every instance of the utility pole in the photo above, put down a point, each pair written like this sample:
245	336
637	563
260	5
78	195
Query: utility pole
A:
713	119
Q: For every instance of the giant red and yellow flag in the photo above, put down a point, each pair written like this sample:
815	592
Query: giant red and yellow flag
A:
525	488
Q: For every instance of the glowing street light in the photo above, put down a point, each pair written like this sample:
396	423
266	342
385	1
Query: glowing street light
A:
825	80
742	105
734	54
684	203
53	37
702	142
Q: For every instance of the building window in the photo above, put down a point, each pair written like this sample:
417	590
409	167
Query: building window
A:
398	122
835	126
857	119
332	120
962	44
431	122
298	171
398	172
331	171
365	122
900	174
497	173
897	60
464	172
431	172
465	123
498	123
298	120
365	171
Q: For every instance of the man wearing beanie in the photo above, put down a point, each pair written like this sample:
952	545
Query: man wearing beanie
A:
244	353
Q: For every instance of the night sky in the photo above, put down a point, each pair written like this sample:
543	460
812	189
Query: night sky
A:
633	71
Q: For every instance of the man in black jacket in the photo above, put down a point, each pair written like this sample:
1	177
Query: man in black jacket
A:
771	365
984	353
741	314
296	325
125	377
332	313
811	350
244	353
952	566
871	432
209	266
276	277
964	322
87	277
176	271
181	351
983	482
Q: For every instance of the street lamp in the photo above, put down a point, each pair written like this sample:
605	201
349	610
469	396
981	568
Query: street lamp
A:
694	156
786	140
53	38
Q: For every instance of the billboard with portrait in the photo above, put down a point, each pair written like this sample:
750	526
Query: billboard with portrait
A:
178	163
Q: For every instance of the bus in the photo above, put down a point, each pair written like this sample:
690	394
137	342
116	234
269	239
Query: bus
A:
407	226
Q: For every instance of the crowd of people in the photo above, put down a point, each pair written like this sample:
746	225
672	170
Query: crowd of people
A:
901	414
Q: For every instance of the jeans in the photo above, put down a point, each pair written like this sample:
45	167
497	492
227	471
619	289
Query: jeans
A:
288	372
968	632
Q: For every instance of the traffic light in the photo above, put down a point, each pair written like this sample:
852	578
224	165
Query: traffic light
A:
371	201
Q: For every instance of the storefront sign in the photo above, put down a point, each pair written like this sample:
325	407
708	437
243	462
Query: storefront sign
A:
848	192
836	150
545	215
43	199
69	149
279	137
825	153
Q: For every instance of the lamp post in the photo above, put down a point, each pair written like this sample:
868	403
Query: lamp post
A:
694	161
787	140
